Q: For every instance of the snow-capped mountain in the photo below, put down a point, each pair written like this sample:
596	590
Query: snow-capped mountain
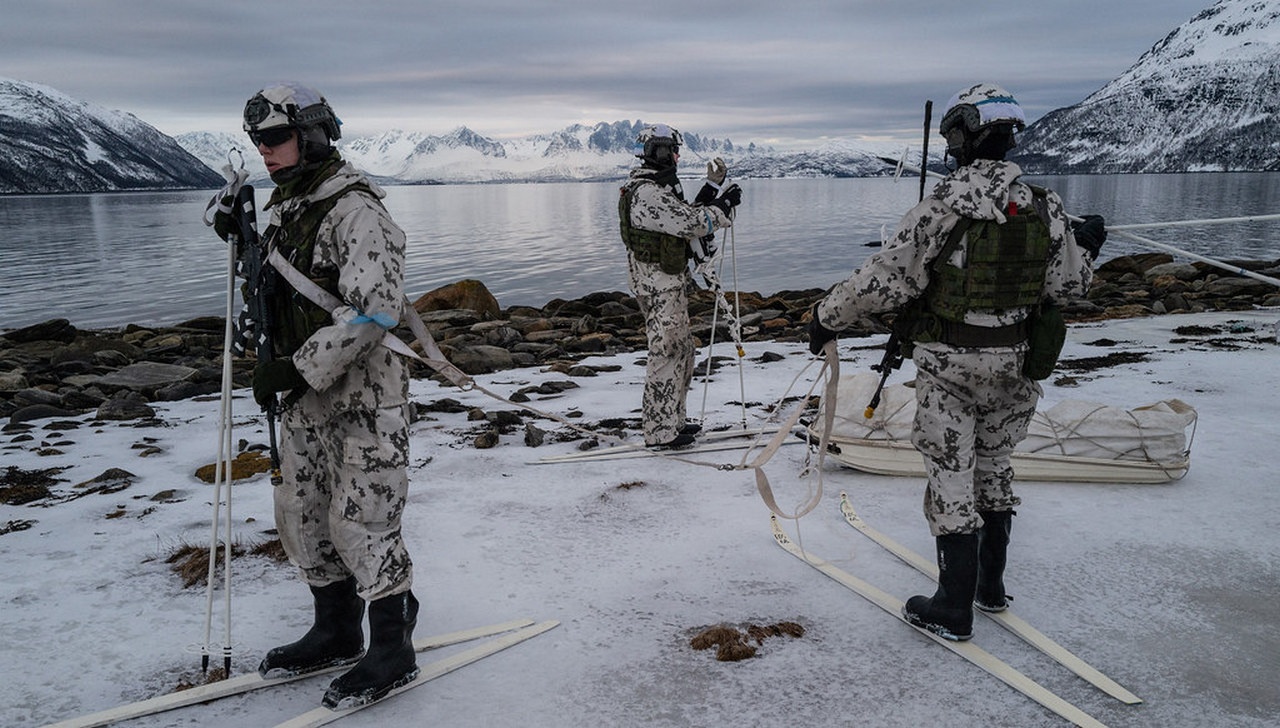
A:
602	151
51	142
218	149
1205	98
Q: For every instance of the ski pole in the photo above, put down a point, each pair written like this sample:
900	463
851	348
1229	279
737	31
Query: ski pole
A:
222	470
737	319
1194	223
1124	233
924	147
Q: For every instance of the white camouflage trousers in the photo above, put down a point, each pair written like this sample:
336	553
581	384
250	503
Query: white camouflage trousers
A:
669	370
338	510
973	407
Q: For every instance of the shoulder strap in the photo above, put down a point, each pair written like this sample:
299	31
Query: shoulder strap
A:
953	240
1040	201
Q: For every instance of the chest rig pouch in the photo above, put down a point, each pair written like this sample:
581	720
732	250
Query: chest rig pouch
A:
669	252
294	317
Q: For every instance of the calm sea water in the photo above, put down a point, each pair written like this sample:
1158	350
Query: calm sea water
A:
109	259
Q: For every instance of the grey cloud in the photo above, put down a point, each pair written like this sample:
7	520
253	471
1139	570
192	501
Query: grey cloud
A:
801	69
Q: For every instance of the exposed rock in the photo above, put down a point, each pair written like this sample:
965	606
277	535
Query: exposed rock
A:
59	330
147	376
125	409
117	372
465	294
37	412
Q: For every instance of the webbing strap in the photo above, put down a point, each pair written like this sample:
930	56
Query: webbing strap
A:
431	354
830	367
436	359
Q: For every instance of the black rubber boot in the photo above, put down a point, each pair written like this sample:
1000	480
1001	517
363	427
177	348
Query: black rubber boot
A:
949	612
993	546
391	660
336	638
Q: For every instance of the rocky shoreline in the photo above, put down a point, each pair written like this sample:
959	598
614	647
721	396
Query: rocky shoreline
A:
53	369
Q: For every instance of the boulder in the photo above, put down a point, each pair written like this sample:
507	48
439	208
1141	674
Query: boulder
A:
469	294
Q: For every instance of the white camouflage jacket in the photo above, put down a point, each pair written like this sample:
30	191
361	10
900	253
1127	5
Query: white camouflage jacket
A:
345	363
658	208
900	271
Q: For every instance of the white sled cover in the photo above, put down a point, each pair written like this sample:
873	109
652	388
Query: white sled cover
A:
1073	440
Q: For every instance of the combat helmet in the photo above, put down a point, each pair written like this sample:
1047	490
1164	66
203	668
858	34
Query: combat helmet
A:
658	143
980	121
292	106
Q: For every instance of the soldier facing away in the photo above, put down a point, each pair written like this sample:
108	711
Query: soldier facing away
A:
975	260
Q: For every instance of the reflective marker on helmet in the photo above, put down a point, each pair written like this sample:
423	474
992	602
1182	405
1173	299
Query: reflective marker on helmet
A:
980	106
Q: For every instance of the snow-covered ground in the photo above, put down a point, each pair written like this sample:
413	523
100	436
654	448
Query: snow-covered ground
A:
1170	589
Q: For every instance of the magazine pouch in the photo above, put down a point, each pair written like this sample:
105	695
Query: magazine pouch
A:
1047	333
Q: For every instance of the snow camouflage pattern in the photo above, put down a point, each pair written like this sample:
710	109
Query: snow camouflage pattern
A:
973	404
345	486
345	442
664	303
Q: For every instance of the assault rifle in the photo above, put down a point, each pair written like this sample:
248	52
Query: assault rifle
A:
260	283
891	360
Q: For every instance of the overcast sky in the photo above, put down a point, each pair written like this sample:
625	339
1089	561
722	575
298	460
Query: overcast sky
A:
777	72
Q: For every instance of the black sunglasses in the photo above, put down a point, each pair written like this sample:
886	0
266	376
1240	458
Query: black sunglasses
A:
273	137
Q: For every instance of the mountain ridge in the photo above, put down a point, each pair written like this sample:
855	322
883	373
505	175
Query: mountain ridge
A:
51	142
1206	97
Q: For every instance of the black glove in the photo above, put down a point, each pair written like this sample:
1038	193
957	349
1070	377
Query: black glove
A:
706	195
819	335
223	224
277	375
729	198
1091	233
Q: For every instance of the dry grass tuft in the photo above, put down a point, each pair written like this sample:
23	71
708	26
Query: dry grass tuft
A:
733	644
191	563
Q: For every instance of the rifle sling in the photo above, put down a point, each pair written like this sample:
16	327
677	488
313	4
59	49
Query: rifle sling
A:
432	356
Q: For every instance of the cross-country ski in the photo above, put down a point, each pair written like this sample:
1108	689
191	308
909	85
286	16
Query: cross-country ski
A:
253	681
715	441
1006	619
968	650
324	716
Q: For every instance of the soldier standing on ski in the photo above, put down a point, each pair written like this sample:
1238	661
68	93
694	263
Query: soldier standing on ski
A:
344	398
660	230
981	253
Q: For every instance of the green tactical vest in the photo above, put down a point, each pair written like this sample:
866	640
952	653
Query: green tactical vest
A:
1004	267
668	252
294	317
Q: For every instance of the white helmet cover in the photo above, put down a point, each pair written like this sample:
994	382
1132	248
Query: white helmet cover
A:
655	143
980	106
291	105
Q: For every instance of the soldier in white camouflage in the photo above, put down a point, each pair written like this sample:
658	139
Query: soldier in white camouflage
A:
343	400
969	266
662	232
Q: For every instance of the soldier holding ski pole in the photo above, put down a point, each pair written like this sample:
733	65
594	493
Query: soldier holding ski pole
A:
323	288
